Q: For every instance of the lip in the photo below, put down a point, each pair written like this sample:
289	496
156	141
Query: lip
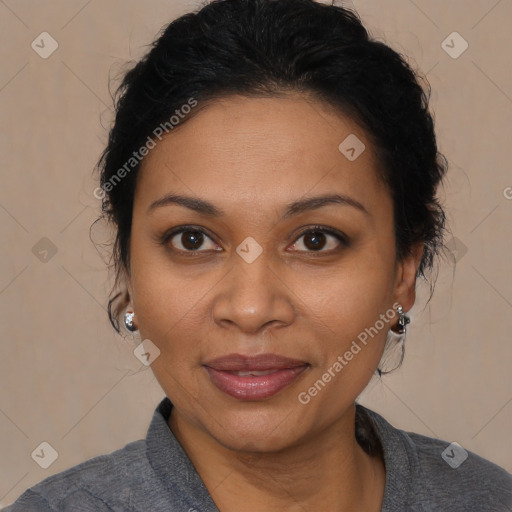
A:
279	372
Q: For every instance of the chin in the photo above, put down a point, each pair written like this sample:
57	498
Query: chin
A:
259	429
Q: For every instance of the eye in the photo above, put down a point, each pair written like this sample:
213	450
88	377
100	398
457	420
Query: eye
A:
319	239
191	240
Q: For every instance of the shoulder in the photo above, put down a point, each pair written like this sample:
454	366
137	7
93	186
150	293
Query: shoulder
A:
90	485
152	474
455	471
438	475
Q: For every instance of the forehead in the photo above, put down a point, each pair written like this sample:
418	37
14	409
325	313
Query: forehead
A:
278	148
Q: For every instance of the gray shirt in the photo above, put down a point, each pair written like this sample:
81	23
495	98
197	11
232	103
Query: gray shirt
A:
155	475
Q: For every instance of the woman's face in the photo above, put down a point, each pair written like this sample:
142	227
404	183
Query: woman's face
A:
242	279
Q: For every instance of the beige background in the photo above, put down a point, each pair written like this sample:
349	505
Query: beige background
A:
69	381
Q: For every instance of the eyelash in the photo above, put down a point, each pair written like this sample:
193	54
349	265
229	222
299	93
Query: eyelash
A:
341	237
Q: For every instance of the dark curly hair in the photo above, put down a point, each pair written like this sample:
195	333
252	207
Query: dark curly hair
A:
268	48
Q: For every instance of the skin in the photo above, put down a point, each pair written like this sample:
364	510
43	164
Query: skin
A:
251	157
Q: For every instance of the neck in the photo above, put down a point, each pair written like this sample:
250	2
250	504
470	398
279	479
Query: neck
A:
329	471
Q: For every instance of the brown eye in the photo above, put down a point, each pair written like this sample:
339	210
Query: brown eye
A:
191	240
319	240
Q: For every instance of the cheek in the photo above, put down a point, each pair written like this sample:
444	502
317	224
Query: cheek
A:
353	294
355	307
169	309
167	305
172	303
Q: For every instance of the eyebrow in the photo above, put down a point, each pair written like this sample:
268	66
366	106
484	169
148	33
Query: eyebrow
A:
300	206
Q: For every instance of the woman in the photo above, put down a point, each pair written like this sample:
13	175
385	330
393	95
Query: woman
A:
271	175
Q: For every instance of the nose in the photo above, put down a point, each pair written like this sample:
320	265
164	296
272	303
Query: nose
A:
253	297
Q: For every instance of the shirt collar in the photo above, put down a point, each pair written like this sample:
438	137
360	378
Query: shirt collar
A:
171	463
400	459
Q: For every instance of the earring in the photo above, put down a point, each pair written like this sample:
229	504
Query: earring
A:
403	320
128	321
398	329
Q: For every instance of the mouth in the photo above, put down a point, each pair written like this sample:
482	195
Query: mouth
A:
254	377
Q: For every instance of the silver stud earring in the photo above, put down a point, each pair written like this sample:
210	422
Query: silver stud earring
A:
128	321
403	320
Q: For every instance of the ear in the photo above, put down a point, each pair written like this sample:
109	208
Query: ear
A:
127	281
407	270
